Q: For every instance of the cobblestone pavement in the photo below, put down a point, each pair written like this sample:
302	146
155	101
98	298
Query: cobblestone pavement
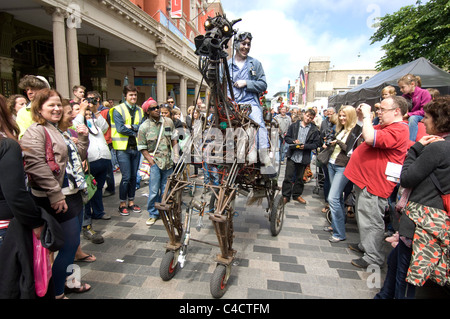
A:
300	263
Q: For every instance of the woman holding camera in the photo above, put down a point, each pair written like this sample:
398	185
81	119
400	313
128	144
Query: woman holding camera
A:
347	134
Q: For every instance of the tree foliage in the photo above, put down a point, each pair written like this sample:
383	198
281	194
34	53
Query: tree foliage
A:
421	30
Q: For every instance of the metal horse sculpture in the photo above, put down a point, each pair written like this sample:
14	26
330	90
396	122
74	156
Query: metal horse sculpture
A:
237	174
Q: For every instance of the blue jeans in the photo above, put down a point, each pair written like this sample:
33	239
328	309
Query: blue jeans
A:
94	208
210	173
110	183
66	255
156	186
414	126
129	165
395	285
336	199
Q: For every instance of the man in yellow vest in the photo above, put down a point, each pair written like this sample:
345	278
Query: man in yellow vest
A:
125	121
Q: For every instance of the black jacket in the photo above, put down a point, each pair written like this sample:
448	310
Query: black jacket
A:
312	141
420	162
16	204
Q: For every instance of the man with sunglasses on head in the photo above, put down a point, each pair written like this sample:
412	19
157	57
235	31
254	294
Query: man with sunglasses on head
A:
249	80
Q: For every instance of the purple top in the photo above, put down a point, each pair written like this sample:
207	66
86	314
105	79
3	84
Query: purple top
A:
419	98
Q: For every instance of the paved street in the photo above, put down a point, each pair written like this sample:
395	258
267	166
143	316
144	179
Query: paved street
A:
300	263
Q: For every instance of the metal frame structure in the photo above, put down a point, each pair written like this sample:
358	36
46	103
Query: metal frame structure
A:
237	176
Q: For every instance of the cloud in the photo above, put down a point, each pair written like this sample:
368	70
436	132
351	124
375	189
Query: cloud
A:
287	33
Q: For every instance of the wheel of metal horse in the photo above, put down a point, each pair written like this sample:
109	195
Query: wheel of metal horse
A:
169	266
277	215
219	281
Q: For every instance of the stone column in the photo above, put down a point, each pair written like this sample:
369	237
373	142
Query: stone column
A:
165	84
72	58
160	84
60	53
183	94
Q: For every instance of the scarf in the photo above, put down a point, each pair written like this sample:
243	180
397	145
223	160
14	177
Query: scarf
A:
74	167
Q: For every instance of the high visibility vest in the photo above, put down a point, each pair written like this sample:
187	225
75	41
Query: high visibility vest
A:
120	141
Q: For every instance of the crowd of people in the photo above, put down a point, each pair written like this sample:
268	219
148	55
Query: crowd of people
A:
48	145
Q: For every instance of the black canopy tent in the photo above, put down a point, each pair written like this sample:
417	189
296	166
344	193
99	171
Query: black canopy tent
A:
370	91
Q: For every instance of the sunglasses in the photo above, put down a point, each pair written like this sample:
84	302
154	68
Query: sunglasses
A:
153	108
245	35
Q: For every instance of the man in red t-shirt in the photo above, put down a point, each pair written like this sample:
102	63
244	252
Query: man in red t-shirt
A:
375	168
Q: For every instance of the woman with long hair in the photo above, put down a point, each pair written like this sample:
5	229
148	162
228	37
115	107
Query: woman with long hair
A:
58	185
19	216
347	134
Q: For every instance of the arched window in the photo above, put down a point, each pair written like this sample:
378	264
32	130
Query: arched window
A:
352	80
360	80
367	79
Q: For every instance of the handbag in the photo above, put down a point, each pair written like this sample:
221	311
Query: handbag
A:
52	235
324	156
91	185
445	197
41	267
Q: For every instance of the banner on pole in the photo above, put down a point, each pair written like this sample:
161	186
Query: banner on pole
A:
177	9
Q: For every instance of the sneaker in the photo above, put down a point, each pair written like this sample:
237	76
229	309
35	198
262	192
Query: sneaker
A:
105	217
333	239
124	211
91	235
150	221
360	263
356	248
134	208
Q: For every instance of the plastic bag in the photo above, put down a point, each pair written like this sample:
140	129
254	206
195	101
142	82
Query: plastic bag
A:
42	267
144	170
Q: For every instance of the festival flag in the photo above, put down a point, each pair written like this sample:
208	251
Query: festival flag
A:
177	9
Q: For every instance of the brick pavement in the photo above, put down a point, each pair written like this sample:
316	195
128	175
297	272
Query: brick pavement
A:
300	263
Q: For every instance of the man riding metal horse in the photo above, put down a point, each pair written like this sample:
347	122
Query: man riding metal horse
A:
234	112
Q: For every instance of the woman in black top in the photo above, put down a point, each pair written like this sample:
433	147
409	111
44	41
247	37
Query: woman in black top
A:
426	157
19	216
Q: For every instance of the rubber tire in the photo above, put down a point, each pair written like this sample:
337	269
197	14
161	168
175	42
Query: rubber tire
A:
216	284
166	269
275	227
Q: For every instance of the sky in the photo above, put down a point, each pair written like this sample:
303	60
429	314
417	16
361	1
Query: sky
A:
287	33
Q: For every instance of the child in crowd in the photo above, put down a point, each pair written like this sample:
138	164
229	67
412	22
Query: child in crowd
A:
410	86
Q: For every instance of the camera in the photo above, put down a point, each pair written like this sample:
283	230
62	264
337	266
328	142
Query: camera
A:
92	100
330	136
295	146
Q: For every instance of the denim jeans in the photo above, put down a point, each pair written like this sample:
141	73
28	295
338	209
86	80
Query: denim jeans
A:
414	126
282	150
129	165
210	173
395	285
110	183
94	208
156	185
336	199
